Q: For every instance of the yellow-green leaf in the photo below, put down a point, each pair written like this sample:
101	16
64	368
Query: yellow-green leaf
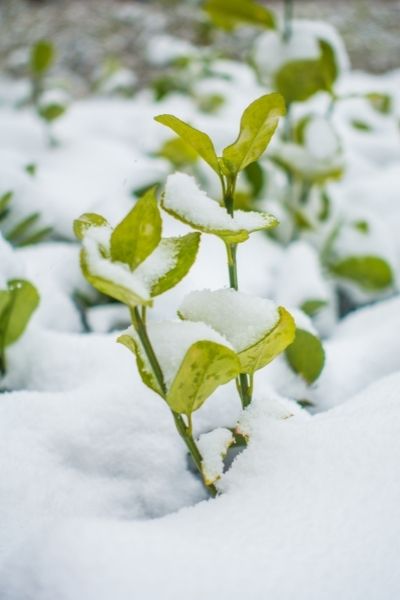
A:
257	126
371	273
228	14
146	374
298	80
206	366
86	221
306	355
51	112
178	152
17	304
273	343
185	250
42	56
139	233
198	140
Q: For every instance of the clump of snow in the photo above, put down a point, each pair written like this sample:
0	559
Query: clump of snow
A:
213	447
320	139
184	197
171	340
240	318
269	405
162	260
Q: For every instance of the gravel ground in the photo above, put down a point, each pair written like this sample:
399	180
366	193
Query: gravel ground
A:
88	32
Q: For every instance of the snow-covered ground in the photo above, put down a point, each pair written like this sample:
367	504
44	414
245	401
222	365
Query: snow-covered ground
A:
97	499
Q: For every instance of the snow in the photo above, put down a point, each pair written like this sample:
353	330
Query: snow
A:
98	499
162	260
276	515
213	447
242	319
184	197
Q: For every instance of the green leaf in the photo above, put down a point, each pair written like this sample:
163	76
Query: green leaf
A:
228	14
51	112
86	221
257	126
206	366
139	233
5	200
185	250
146	375
256	177
17	305
42	57
111	288
306	355
361	125
178	152
31	169
22	227
380	102
371	273
198	140
36	237
273	343
298	80
312	307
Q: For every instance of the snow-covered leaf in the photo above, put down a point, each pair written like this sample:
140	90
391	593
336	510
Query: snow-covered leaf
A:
139	233
17	304
184	200
184	249
198	140
257	126
255	327
230	13
124	293
206	366
270	346
86	221
306	355
371	273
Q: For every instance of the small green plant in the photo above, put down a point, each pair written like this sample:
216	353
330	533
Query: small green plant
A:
25	232
17	304
222	335
49	105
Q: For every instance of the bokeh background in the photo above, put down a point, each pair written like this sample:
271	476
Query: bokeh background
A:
106	34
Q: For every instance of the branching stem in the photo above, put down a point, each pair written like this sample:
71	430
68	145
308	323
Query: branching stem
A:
185	431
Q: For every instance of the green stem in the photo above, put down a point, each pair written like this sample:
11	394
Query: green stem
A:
184	431
232	266
287	16
246	389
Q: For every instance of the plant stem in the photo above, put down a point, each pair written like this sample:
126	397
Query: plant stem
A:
244	385
287	16
232	266
246	389
184	431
